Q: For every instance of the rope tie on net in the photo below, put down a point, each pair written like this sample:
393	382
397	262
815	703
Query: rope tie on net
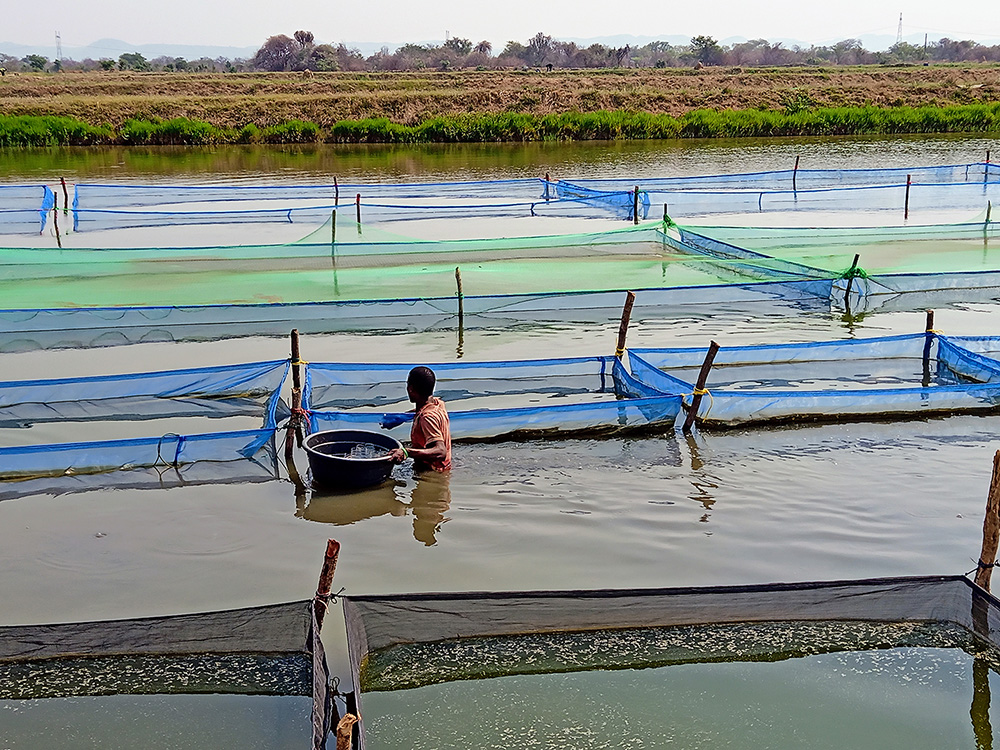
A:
934	331
620	352
980	565
177	452
295	362
705	392
330	598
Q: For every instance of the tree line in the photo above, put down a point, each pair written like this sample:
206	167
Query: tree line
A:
300	52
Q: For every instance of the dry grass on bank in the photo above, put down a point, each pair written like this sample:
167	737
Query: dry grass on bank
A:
267	99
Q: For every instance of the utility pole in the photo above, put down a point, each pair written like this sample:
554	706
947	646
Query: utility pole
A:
59	49
899	31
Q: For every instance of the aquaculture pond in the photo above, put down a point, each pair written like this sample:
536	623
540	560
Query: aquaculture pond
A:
808	502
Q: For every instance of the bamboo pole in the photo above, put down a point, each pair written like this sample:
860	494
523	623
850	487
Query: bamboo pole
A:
906	205
928	340
699	388
635	205
795	173
357	204
991	529
666	216
325	584
623	326
62	180
336	192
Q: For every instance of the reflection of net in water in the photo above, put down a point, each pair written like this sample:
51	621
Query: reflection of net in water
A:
406	666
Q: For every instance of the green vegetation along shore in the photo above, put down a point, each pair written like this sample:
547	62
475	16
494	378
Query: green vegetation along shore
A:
36	131
127	108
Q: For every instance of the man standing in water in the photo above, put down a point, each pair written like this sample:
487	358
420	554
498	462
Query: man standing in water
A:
430	435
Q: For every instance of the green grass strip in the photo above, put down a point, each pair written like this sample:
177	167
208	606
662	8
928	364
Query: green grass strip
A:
29	131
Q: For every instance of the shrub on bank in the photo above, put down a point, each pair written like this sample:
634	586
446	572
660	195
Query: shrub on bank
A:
26	131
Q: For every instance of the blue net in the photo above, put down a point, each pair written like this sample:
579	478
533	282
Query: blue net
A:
98	207
24	208
489	400
888	377
168	409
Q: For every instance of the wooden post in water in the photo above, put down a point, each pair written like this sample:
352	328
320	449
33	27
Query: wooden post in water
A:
336	192
906	205
293	421
623	326
850	281
357	205
333	229
62	180
928	340
699	388
635	205
795	173
322	599
991	529
55	224
461	310
666	216
547	181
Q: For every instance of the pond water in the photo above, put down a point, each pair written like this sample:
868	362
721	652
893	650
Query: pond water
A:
805	503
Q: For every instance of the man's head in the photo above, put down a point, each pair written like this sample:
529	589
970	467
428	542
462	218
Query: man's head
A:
420	384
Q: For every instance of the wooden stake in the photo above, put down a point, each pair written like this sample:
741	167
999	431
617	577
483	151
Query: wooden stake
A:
325	585
666	216
928	340
345	731
795	173
65	195
296	377
850	281
55	223
461	310
623	326
906	206
635	205
336	192
333	229
357	203
991	529
699	387
547	181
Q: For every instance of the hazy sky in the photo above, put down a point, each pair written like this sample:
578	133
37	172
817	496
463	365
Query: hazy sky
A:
250	22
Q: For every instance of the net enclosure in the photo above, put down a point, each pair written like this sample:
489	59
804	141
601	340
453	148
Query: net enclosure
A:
403	641
167	417
492	400
267	650
108	206
887	377
24	208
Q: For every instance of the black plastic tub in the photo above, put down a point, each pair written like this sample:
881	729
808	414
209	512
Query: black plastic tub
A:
340	459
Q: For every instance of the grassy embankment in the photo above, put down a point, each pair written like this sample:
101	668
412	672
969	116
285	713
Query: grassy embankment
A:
161	108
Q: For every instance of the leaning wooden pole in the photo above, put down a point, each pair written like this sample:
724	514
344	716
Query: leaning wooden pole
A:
928	340
623	326
62	180
322	599
55	224
906	204
635	205
795	173
991	529
461	310
850	280
699	388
